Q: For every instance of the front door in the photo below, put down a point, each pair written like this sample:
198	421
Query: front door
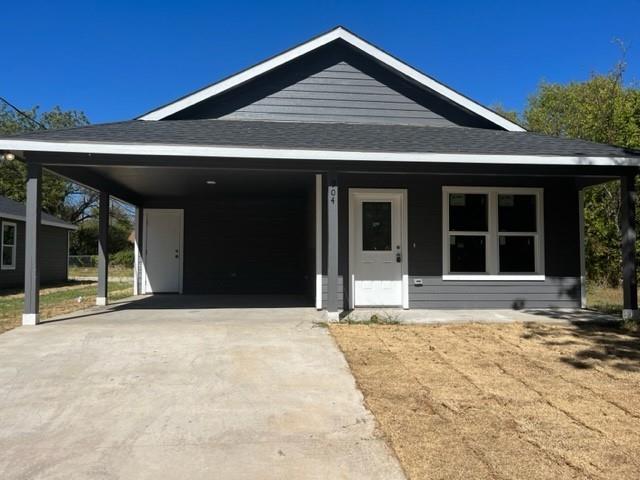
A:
163	250
377	247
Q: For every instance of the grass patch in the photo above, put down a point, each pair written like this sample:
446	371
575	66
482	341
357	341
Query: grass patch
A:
380	318
114	271
609	300
58	300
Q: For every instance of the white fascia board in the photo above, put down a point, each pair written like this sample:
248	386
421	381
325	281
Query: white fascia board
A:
10	216
353	40
304	154
241	77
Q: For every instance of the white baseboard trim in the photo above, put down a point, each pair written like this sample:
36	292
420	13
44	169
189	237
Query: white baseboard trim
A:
30	318
101	301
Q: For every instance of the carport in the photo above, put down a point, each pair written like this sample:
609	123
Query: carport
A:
223	231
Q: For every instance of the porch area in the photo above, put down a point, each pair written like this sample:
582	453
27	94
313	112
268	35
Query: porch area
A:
299	230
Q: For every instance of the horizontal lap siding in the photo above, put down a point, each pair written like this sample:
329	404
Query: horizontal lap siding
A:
54	245
339	93
54	260
561	288
340	290
560	292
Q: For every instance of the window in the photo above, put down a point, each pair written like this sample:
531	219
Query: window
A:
9	240
376	226
492	233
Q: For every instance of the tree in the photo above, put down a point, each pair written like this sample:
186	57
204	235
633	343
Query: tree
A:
59	197
601	109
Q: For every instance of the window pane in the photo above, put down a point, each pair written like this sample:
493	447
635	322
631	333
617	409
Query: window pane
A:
7	256
517	213
468	212
376	226
9	235
467	253
517	254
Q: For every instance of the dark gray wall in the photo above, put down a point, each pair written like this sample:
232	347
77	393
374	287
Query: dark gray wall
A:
246	245
562	249
54	248
336	83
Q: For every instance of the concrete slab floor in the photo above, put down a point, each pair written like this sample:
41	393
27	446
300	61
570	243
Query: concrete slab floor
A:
172	389
396	315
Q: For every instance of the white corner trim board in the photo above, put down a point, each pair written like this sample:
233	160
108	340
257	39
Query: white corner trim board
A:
338	33
30	319
307	154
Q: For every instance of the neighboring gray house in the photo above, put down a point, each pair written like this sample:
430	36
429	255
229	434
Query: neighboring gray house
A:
54	252
340	174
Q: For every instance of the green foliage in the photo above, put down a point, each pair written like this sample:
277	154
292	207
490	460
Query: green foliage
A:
601	109
84	241
123	258
59	197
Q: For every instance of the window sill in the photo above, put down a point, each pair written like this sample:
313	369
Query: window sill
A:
506	278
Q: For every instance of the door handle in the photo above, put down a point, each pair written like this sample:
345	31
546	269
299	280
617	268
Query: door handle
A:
398	257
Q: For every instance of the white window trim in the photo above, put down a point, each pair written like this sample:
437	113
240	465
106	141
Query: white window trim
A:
14	246
492	235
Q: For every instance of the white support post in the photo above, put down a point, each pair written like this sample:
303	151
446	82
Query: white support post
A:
318	241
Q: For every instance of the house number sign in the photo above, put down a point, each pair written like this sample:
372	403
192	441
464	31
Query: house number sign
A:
333	194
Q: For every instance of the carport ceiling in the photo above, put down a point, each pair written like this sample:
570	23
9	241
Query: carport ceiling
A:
180	182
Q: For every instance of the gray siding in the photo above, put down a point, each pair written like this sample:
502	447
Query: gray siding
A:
335	83
341	298
54	246
557	292
245	245
340	92
562	264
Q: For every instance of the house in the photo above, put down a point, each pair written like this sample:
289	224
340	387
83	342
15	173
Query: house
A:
54	251
336	172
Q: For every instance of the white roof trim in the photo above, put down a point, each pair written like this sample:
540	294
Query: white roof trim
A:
313	44
306	154
66	226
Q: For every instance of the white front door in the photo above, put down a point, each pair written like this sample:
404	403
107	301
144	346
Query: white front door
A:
377	247
163	250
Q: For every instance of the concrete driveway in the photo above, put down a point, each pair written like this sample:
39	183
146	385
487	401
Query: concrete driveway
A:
167	387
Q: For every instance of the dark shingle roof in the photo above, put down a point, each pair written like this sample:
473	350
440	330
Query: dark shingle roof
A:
17	211
329	136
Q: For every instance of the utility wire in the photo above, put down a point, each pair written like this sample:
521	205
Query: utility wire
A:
20	112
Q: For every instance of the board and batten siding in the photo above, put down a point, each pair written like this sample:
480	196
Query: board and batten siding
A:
54	249
561	287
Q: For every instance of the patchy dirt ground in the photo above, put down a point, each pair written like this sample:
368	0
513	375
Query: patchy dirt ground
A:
525	401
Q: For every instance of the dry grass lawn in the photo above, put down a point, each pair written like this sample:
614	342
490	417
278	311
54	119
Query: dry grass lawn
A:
57	300
516	401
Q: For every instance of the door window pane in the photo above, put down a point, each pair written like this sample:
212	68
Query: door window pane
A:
517	254
468	212
517	213
376	226
467	253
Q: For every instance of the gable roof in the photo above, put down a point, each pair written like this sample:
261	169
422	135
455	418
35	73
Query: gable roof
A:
13	210
322	141
338	33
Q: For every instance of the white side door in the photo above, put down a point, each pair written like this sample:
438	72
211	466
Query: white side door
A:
377	247
163	250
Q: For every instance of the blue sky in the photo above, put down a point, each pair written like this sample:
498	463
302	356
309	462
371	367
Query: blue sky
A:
117	59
